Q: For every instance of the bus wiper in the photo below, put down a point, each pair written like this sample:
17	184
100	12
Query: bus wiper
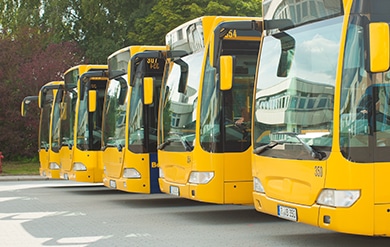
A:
262	148
113	143
164	144
186	144
313	153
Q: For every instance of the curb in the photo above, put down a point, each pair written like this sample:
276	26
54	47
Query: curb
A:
22	178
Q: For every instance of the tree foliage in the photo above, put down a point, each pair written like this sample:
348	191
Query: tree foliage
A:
168	14
28	64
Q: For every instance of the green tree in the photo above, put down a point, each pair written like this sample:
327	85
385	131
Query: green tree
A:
102	26
18	13
168	14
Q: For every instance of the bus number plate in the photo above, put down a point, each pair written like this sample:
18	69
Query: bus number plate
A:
113	184
173	190
287	213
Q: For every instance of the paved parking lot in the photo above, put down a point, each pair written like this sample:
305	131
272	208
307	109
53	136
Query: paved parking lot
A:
64	213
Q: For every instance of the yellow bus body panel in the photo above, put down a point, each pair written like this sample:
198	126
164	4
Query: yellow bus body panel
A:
340	174
45	157
140	162
290	180
53	173
112	162
43	162
91	160
232	182
65	161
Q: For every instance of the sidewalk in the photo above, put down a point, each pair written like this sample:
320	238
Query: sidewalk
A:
21	178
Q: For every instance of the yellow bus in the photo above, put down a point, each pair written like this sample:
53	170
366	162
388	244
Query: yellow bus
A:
81	120
49	101
204	123
321	135
130	122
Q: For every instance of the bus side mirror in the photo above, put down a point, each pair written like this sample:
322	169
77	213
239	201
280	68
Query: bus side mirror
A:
379	50
92	100
226	68
26	102
148	90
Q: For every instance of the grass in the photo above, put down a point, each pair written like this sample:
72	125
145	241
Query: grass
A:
12	168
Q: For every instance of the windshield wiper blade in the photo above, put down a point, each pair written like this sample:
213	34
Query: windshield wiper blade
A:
164	144
186	145
313	153
270	145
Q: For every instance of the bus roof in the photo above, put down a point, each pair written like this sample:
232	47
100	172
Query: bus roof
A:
86	67
137	48
179	36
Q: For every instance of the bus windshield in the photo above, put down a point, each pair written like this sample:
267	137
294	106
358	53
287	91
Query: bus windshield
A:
143	118
44	133
295	92
114	128
56	117
115	104
225	120
90	123
179	101
118	64
68	111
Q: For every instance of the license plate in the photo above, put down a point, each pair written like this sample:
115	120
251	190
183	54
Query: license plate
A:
174	190
113	184
287	213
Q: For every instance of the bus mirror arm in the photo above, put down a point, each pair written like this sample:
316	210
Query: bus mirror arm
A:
281	24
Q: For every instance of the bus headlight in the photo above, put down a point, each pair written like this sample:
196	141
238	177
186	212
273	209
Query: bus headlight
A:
78	166
160	172
200	177
131	173
338	198
54	166
257	186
